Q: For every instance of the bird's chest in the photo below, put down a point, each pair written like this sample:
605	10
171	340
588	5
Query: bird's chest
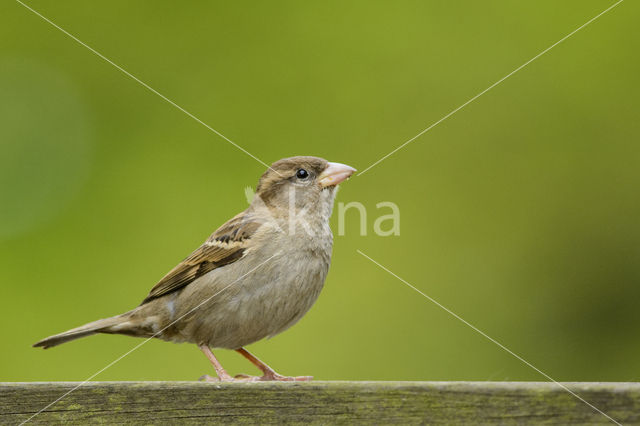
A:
273	296
289	285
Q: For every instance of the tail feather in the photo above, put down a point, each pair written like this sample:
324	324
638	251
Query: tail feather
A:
99	326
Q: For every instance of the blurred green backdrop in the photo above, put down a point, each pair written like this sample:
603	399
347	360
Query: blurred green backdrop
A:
520	213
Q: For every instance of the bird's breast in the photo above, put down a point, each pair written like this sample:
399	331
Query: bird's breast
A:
258	296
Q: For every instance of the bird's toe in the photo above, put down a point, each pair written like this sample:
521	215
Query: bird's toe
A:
208	378
275	377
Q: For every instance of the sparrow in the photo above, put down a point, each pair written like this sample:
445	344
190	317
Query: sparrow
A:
254	277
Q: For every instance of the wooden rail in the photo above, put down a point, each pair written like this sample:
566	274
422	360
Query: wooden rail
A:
320	403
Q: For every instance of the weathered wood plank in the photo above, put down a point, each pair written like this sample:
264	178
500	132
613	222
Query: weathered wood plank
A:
321	402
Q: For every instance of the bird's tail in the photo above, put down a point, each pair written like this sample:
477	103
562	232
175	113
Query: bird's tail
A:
107	325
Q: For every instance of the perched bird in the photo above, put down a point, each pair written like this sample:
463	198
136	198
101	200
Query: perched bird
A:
254	277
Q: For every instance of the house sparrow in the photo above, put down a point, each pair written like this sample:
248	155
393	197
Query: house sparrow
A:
254	277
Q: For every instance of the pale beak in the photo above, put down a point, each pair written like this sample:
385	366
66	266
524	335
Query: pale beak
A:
334	174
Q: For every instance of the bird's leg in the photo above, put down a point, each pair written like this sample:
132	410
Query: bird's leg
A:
269	373
223	376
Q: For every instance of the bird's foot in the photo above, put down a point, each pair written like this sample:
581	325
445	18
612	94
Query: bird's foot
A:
208	378
278	378
274	377
269	374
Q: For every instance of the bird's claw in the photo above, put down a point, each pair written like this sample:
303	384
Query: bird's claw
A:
208	378
268	377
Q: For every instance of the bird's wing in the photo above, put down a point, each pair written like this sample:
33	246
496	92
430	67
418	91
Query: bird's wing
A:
224	246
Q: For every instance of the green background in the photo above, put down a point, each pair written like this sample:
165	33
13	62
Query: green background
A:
520	213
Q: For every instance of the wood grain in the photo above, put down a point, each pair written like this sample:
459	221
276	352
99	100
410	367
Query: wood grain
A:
320	403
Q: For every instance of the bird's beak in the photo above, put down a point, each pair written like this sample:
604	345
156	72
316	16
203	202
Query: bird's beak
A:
334	174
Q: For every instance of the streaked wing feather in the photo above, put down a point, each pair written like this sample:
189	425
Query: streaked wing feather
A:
224	246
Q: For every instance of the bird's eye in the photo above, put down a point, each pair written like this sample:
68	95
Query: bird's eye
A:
302	174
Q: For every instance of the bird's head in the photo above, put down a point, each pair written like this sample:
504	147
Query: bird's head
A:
302	183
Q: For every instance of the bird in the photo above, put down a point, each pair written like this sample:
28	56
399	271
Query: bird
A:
253	278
